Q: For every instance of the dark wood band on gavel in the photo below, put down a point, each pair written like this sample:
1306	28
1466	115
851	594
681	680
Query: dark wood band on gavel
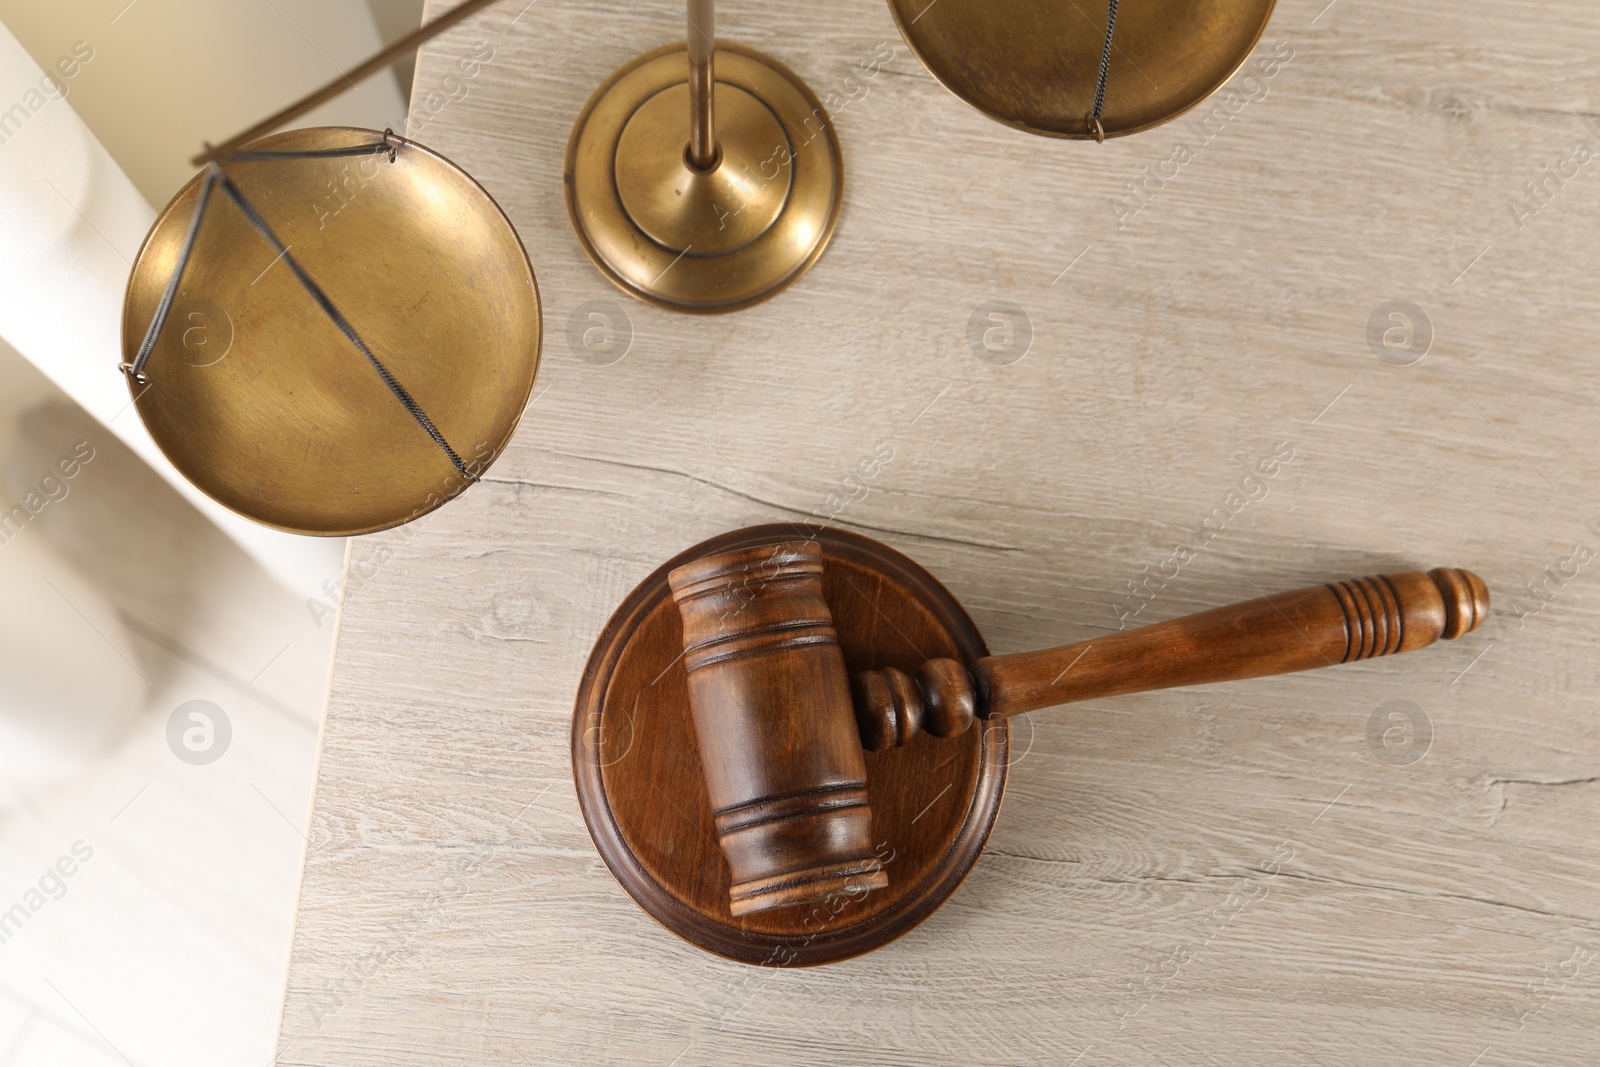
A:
770	700
1322	626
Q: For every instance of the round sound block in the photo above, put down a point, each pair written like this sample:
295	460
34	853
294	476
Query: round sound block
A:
643	796
704	241
1033	64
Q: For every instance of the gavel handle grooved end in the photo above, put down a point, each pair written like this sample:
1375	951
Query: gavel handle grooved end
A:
1320	626
892	707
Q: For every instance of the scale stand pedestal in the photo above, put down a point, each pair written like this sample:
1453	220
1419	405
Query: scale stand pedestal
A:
704	177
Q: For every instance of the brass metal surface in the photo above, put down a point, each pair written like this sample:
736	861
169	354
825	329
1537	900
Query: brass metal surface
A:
672	201
258	398
702	83
693	240
1033	64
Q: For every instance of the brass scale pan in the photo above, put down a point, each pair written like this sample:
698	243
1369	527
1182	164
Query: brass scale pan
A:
364	417
261	398
1034	64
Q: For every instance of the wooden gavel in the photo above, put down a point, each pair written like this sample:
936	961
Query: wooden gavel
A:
780	729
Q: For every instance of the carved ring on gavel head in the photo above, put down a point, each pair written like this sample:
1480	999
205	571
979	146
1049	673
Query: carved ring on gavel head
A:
777	736
748	745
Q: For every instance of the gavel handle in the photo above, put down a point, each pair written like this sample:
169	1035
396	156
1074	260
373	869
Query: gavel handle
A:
1322	626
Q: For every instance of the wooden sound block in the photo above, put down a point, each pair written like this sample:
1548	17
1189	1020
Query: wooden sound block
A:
644	797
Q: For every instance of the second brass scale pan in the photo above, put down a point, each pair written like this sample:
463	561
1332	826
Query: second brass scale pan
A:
1033	64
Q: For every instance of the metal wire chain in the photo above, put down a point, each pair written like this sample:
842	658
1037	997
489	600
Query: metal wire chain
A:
135	370
1105	69
216	177
382	148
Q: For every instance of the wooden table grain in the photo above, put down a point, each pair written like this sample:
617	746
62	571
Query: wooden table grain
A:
1374	261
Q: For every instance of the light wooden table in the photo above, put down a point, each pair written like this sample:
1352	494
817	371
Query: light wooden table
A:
1237	874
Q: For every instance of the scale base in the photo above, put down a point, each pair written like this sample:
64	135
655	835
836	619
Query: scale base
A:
704	241
644	799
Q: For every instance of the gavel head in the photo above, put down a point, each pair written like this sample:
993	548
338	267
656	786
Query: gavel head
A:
773	722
